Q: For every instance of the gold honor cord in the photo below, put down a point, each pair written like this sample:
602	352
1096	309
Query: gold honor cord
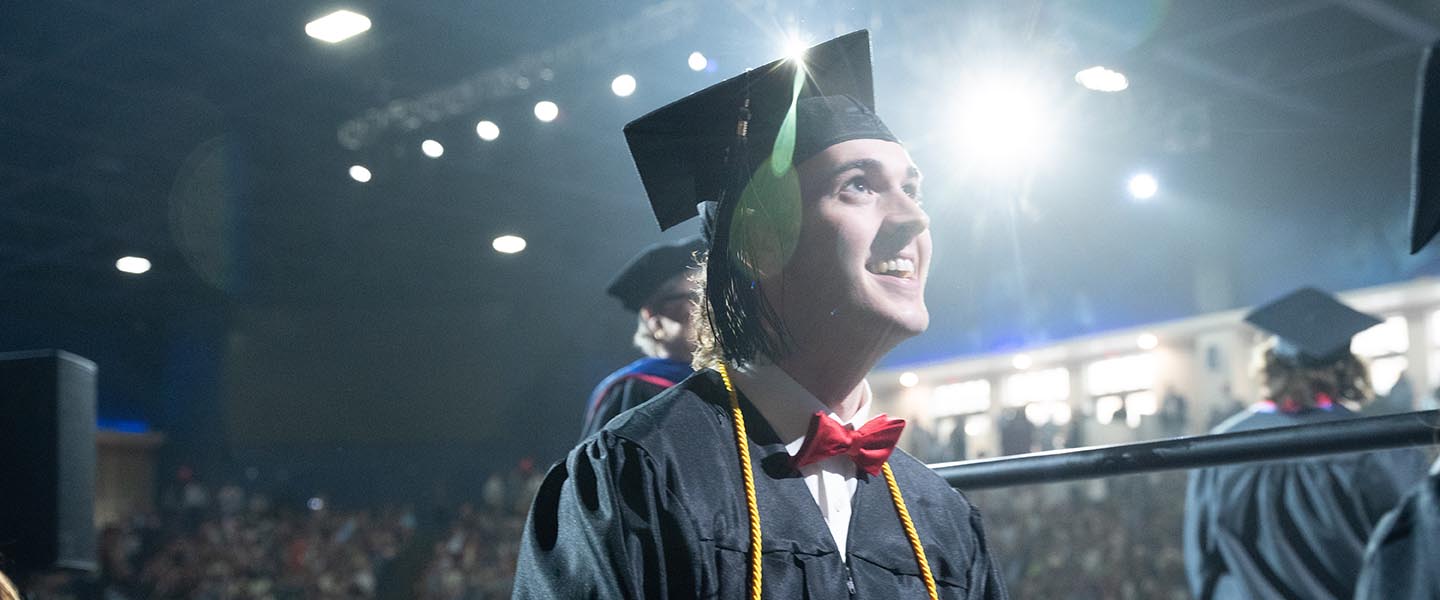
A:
753	507
910	532
748	476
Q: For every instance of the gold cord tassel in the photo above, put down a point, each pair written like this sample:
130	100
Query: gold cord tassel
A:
748	476
910	532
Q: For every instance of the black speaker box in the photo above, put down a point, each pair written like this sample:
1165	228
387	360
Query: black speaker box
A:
47	461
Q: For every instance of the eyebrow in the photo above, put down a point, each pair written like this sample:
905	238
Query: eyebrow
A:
866	164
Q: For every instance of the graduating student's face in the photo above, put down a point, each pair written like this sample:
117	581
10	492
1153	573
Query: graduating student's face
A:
864	243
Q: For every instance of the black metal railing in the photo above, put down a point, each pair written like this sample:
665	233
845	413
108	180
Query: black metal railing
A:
1301	441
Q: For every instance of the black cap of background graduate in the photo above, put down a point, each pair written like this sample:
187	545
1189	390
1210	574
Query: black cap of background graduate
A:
686	151
1312	327
1425	152
651	268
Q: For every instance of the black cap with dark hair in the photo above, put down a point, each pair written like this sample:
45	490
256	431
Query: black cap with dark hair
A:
684	150
736	144
1312	327
1425	152
651	268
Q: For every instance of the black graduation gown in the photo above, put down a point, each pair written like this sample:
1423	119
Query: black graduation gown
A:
1288	529
653	507
1402	561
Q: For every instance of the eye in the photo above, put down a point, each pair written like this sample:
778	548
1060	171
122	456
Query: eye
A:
856	184
913	191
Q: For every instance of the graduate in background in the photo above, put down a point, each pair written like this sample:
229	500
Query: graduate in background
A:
656	286
764	473
1401	562
1295	529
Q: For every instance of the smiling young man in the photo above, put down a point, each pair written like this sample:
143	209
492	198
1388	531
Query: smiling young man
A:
765	474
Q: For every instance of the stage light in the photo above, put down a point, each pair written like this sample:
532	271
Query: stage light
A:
697	61
487	130
133	265
1101	79
338	26
1022	361
1003	122
794	48
546	111
316	504
1147	341
909	379
432	148
623	85
360	173
1143	186
508	244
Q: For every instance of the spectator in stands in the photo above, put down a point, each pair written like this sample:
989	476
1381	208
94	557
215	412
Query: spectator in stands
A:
1017	433
1174	413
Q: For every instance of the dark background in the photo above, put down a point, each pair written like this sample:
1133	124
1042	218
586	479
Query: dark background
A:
301	322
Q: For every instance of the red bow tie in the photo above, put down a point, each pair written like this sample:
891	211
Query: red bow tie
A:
870	446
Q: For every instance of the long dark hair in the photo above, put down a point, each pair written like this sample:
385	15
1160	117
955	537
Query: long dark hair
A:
751	229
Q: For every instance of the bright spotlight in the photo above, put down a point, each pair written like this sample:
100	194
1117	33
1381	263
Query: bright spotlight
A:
316	504
623	85
1147	341
508	244
1143	186
546	111
487	130
909	379
432	148
794	48
1022	361
698	62
1101	79
1003	122
338	26
133	265
360	173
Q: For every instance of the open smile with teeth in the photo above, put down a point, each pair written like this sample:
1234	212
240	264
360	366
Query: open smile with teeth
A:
903	268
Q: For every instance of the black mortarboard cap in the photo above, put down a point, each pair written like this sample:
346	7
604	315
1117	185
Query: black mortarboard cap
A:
1425	152
651	268
1312	327
681	149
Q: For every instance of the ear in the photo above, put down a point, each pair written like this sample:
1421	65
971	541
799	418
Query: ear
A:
652	321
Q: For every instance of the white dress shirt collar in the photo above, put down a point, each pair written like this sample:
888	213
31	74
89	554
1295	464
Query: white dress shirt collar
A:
786	405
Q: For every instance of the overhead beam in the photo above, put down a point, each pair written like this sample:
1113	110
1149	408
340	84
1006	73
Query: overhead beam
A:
1339	67
657	24
1193	65
1394	19
1234	27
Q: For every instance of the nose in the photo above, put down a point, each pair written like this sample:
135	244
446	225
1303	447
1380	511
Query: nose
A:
905	218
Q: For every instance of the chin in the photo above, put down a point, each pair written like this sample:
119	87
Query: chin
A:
914	325
906	322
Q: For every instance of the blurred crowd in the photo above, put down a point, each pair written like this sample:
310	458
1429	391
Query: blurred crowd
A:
1116	539
475	560
232	543
251	550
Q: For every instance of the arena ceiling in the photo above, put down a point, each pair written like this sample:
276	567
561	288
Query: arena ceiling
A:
214	138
